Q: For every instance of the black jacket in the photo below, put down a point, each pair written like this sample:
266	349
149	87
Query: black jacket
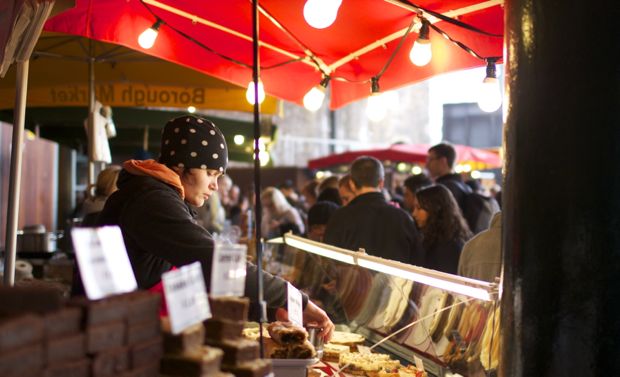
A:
444	256
457	187
159	231
371	223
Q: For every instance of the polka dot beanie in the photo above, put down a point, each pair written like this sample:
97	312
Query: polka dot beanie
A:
193	142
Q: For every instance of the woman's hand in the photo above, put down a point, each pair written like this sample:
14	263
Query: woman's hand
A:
314	314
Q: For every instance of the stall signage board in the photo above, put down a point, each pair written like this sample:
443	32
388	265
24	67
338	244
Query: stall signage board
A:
186	297
294	306
228	270
102	258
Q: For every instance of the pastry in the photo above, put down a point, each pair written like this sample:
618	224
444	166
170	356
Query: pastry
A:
230	308
285	333
189	340
146	352
205	361
105	336
237	351
66	321
64	349
331	351
364	363
77	368
220	329
347	339
20	331
110	362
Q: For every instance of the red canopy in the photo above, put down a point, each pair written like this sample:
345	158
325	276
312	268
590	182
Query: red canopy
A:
214	37
412	153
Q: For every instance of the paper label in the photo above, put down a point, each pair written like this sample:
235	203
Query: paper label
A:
228	270
294	306
186	297
363	349
104	265
418	363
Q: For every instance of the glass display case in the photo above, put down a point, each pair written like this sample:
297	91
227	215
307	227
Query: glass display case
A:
449	322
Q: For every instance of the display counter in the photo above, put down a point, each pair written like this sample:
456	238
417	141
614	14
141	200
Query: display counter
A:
448	322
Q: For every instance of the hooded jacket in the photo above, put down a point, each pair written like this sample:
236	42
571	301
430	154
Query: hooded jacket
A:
160	232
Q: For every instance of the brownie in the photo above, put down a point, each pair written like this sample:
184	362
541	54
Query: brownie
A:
138	333
20	300
237	351
110	362
25	361
204	362
105	336
150	370
64	349
65	321
143	306
100	311
230	308
189	340
222	329
146	352
77	368
20	331
256	368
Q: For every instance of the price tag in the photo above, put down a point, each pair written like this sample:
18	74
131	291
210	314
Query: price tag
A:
104	266
363	349
418	363
228	270
294	306
186	297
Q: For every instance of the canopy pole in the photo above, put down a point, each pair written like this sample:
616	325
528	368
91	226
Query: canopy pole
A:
15	176
257	186
91	113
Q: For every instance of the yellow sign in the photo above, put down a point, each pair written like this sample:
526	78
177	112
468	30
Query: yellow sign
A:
138	95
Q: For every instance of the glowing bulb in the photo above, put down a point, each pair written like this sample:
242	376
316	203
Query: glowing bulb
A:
421	53
314	98
191	109
377	108
401	167
319	175
321	13
249	94
467	168
263	157
239	139
147	39
416	170
489	95
458	169
475	174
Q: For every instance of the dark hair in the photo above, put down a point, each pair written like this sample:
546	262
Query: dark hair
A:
320	212
445	150
331	181
417	182
445	220
344	181
330	194
366	171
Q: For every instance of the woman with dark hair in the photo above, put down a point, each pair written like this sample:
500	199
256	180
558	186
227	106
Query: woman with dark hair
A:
443	227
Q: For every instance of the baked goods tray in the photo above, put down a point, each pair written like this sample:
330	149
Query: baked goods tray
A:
291	367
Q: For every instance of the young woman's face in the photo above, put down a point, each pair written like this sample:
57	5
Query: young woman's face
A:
419	214
199	185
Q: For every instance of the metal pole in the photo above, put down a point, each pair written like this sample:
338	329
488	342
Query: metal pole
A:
15	172
91	113
257	187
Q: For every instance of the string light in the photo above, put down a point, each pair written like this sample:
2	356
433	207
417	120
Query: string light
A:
191	109
239	139
421	52
490	94
377	106
321	14
249	93
147	39
313	100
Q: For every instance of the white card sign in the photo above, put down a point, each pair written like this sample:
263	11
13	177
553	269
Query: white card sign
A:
294	306
363	349
186	297
419	363
102	258
228	270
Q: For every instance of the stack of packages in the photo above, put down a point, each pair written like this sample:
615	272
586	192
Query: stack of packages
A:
224	331
186	356
122	334
40	336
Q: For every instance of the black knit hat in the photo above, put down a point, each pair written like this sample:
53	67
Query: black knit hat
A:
193	142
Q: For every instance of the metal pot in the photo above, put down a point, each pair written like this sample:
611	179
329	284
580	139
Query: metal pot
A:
34	238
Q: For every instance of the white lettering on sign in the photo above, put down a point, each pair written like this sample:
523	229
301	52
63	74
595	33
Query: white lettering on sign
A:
186	297
229	270
104	266
294	306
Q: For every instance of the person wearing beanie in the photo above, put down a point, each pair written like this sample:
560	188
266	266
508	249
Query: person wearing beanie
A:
154	208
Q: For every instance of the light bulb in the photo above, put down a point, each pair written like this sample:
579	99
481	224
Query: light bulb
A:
421	53
263	157
249	94
147	39
321	13
191	109
239	139
376	109
489	95
314	98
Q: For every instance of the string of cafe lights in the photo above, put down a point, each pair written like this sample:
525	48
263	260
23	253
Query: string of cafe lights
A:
321	14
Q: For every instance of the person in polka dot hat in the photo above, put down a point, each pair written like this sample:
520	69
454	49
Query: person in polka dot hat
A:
154	208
